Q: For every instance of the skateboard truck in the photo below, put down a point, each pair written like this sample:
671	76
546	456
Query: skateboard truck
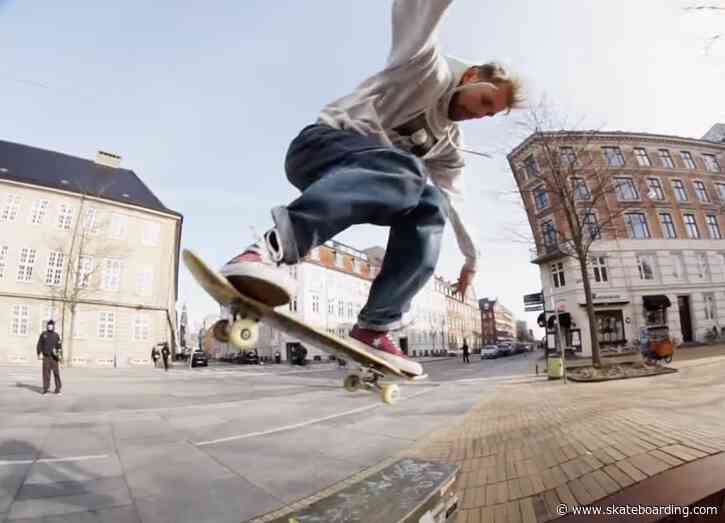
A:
367	378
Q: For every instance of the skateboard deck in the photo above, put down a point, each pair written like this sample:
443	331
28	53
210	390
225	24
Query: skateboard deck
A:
251	311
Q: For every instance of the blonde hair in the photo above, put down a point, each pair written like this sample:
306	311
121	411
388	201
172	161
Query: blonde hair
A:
495	73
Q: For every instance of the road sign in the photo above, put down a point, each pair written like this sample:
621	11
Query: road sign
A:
534	299
534	308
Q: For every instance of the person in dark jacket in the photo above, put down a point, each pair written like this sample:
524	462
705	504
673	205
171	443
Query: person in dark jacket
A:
165	352
466	352
49	348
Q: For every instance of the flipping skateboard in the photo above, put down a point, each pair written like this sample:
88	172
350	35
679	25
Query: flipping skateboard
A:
242	331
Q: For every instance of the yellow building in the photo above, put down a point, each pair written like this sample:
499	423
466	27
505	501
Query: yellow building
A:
87	244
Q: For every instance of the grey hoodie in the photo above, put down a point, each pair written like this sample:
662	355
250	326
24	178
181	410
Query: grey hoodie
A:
406	105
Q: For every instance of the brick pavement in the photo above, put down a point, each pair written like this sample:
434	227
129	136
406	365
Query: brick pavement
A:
531	446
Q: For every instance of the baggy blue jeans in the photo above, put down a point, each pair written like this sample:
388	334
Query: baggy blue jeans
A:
346	179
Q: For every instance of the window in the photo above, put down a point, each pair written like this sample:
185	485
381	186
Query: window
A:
350	313
557	274
702	272
614	156
701	191
678	267
315	303
3	260
293	304
141	327
567	157
721	191
340	309
530	167
292	271
591	224
80	319
339	261
626	190
90	221
548	233
645	265
37	214
119	227
10	209
655	189
687	158
331	307
610	327
541	198
713	228
106	325
25	265
111	274
642	159
86	265
691	226
20	325
581	190
65	217
636	223
145	281
356	266
151	233
680	192
599	268
711	163
709	306
54	273
666	159
668	226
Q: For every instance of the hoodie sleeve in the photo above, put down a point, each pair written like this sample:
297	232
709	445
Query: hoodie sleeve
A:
415	24
446	172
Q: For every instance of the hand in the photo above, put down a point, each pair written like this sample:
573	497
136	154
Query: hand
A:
464	280
40	357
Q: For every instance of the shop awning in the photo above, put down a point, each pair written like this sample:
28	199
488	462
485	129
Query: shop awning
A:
656	302
564	320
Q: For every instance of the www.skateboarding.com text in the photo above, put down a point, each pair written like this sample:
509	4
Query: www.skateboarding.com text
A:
636	510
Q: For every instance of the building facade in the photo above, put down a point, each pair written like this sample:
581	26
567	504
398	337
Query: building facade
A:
497	322
464	322
88	245
659	263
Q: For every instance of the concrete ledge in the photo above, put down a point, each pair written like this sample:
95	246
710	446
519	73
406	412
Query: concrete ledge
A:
406	491
698	483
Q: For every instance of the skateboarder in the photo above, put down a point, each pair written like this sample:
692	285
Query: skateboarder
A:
368	158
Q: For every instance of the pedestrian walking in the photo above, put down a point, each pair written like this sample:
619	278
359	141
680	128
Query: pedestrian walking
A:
165	355
155	355
466	352
49	349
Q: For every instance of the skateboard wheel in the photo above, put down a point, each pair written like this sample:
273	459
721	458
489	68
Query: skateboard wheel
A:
244	333
352	382
390	393
220	331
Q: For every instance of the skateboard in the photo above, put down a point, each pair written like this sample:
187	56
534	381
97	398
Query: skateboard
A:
243	332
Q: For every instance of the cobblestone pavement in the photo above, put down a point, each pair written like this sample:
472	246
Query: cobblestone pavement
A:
529	447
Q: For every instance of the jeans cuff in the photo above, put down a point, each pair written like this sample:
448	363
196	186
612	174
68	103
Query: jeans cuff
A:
286	235
385	327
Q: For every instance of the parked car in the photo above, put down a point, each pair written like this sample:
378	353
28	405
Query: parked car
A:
250	358
454	353
199	357
505	349
489	352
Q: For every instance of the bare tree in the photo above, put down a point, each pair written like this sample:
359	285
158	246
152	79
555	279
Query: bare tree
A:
577	187
709	8
76	275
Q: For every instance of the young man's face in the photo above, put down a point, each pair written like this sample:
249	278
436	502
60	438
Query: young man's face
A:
479	101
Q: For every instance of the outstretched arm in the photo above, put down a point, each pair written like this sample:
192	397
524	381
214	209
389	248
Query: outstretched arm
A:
415	24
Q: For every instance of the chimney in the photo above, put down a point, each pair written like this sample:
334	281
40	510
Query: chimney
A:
108	159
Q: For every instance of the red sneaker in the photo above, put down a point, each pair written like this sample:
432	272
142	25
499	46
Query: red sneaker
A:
257	272
384	348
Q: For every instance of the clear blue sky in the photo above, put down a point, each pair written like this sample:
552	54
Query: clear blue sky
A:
202	98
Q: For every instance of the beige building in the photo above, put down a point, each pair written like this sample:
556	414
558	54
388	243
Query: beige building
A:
659	263
87	244
464	320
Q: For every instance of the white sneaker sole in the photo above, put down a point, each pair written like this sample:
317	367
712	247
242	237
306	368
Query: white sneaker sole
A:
265	283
